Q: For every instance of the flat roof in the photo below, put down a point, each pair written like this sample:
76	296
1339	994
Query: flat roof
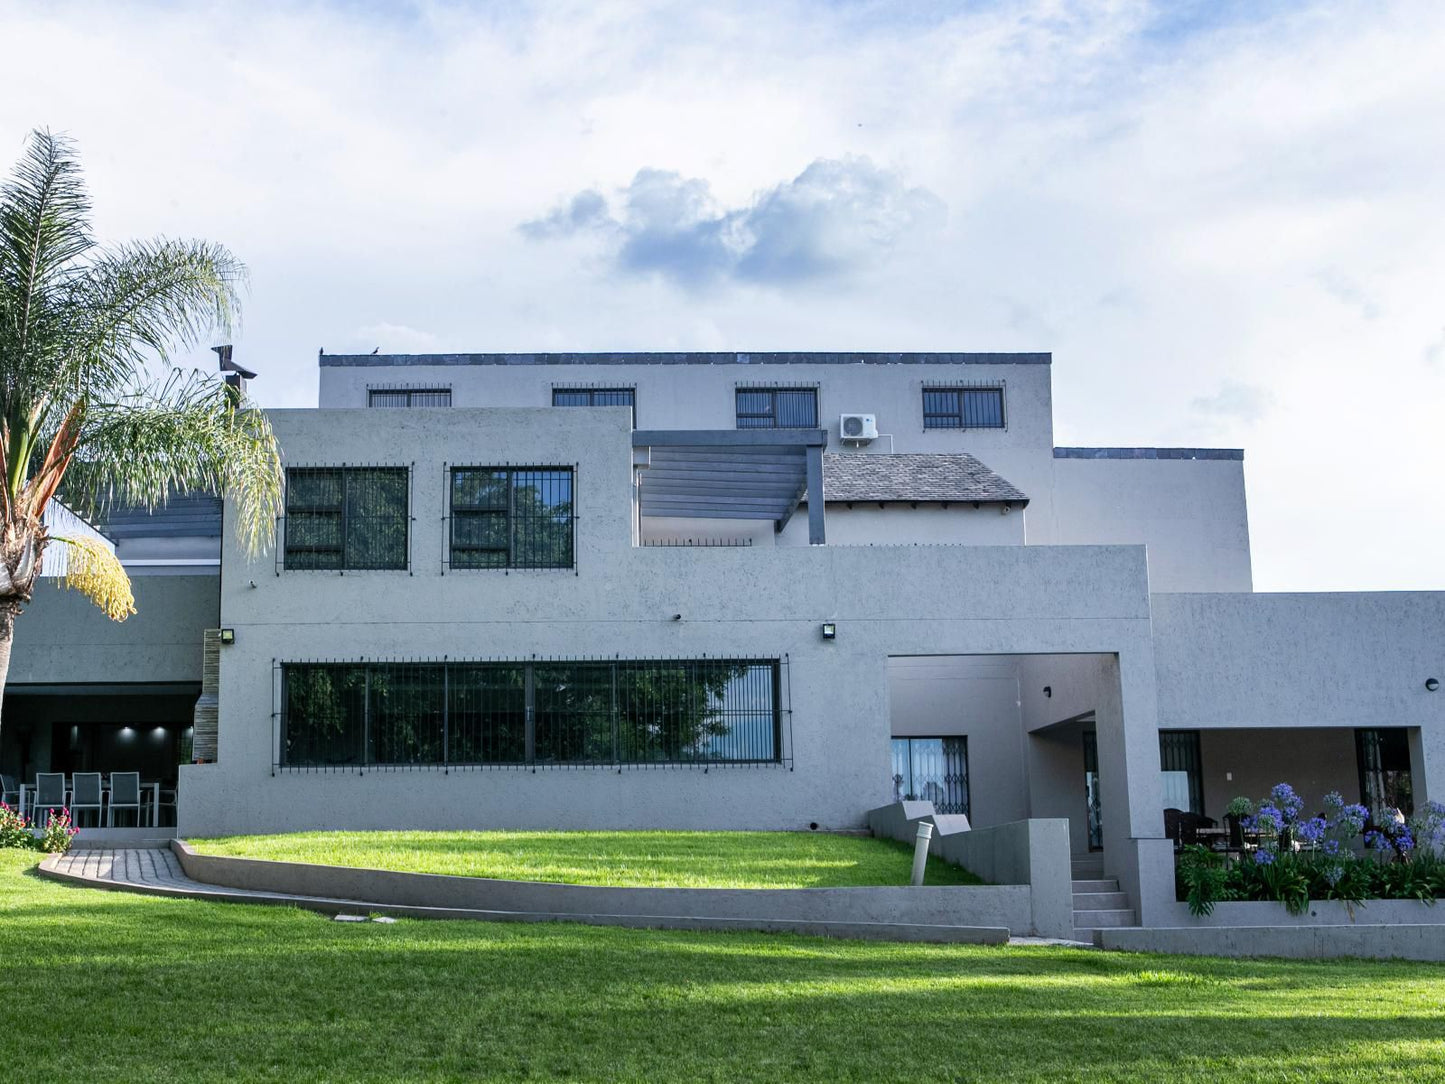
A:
795	357
1236	454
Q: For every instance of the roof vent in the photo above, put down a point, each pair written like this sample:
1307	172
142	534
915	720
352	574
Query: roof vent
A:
231	373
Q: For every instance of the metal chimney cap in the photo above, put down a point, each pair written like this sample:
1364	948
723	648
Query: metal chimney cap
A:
229	366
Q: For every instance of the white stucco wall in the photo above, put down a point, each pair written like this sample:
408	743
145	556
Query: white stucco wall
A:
702	396
1189	512
620	601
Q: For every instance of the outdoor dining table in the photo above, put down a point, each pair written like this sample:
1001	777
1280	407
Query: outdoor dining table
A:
154	788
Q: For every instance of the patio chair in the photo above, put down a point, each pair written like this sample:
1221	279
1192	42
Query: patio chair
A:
124	794
9	791
85	796
1171	825
49	796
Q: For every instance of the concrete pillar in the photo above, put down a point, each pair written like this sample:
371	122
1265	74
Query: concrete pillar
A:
1130	791
1427	763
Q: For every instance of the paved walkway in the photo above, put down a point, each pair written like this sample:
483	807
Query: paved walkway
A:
157	871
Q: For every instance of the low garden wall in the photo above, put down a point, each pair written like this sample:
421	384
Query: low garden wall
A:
1032	854
1301	940
993	911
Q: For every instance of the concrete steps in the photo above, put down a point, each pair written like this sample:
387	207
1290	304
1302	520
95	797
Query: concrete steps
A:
1099	905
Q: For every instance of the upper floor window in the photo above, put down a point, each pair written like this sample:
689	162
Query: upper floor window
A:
963	408
777	408
597	397
409	397
346	518
512	517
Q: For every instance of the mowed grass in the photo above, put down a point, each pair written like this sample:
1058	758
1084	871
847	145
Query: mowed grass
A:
632	859
112	986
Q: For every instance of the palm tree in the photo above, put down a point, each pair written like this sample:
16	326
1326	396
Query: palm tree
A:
90	407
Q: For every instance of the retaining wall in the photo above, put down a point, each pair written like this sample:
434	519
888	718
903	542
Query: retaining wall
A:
991	908
1032	854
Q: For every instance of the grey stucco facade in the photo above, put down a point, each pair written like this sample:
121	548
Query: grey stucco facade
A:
1109	598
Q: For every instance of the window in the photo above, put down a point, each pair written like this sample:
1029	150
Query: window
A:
963	408
409	397
1181	770
597	397
1384	761
932	770
777	408
511	517
712	711
346	518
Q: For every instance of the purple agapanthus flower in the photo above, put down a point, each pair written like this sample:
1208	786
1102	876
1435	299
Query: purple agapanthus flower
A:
1263	857
1284	798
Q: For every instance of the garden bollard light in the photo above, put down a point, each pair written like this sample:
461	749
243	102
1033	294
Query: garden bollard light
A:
920	851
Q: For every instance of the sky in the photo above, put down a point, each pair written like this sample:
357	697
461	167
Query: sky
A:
1223	219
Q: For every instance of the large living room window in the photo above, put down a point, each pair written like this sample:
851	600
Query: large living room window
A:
512	517
963	408
932	770
347	518
777	408
708	711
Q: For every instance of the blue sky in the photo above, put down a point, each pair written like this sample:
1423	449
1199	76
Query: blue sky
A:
1223	219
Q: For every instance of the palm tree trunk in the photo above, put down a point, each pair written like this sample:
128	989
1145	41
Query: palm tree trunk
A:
9	611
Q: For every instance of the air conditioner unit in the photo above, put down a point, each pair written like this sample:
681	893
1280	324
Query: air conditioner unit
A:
858	428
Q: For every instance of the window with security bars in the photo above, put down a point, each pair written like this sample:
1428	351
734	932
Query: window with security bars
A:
1383	756
512	517
707	711
597	397
777	408
963	408
932	770
409	397
346	518
1181	770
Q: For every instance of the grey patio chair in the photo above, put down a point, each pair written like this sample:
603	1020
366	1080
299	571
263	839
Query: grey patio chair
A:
124	794
9	791
85	796
49	796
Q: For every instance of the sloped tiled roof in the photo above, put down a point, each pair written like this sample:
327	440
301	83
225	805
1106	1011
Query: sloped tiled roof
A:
913	476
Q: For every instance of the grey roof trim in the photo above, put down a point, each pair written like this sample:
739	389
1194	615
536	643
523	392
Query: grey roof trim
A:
796	357
1235	454
179	517
915	478
729	438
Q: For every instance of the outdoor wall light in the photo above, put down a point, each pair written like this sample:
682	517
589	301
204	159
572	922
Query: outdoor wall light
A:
228	636
1049	691
829	630
1431	684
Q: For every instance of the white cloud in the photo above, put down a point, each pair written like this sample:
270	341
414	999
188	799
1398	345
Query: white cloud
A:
836	218
1169	198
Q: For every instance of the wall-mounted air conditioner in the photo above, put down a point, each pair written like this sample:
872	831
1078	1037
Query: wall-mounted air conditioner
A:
858	428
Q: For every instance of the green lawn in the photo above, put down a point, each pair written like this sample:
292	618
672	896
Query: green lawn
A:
111	986
655	859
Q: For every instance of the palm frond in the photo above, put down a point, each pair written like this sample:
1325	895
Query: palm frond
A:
137	303
97	574
186	434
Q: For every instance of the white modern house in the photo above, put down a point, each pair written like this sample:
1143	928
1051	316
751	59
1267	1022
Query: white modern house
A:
729	591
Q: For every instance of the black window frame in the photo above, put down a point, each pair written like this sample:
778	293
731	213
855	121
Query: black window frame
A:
593	393
534	713
349	477
768	419
410	394
459	514
1179	751
959	415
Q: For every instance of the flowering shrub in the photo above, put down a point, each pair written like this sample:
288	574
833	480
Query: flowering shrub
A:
58	833
1303	858
14	829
